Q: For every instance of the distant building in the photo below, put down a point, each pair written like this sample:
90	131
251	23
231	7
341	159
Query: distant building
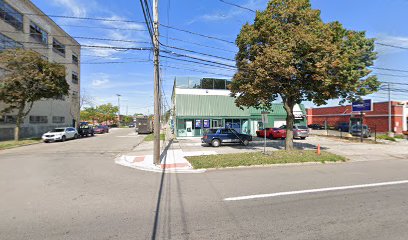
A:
203	103
23	25
376	119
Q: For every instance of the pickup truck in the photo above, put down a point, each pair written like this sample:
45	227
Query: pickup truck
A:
216	137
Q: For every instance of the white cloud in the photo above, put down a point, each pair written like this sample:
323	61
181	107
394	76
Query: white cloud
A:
401	41
73	7
101	80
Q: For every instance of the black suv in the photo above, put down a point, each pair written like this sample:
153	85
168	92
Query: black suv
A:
85	131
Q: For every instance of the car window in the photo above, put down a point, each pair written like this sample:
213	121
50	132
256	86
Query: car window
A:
235	132
224	131
57	130
301	127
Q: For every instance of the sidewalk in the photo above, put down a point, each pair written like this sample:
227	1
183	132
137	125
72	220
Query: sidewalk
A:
172	157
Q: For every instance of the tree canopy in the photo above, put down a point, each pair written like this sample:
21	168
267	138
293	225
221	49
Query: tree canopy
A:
28	78
289	52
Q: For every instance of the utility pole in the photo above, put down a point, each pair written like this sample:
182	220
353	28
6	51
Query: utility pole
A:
156	124
389	110
118	109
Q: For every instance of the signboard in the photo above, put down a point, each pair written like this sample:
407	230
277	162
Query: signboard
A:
206	123
265	117
198	123
363	106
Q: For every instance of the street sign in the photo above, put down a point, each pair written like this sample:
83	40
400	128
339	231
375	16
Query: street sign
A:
363	106
265	117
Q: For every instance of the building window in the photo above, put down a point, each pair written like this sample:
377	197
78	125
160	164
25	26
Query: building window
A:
75	59
38	33
75	78
75	95
38	119
60	97
8	119
58	47
58	119
11	15
6	42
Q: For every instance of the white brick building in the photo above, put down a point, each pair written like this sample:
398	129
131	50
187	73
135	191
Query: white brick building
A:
22	24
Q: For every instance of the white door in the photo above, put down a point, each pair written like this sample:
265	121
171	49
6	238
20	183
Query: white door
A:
189	129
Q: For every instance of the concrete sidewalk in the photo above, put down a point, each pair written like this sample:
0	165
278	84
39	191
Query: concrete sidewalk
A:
172	157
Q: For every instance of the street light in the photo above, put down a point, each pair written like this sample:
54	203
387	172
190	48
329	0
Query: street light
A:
118	109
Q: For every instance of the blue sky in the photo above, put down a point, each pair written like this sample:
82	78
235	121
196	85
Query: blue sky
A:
384	20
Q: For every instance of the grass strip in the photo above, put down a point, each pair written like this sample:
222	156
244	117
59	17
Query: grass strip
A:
150	137
258	158
386	137
14	144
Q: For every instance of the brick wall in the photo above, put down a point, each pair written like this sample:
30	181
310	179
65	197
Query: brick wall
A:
376	119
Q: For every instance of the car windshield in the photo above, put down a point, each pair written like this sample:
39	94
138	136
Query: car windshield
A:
58	130
211	131
301	127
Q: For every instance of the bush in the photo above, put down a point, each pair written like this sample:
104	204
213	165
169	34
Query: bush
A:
386	137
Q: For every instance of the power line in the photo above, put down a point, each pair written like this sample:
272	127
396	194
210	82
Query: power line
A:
390	45
100	27
196	58
83	18
238	6
389	69
198	34
191	51
198	44
196	70
199	63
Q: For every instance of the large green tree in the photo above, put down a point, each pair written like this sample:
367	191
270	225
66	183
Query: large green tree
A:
289	52
28	78
108	112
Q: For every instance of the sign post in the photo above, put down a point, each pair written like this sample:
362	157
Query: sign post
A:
264	122
362	106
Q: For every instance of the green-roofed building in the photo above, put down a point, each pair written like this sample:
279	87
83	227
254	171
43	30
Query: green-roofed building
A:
203	103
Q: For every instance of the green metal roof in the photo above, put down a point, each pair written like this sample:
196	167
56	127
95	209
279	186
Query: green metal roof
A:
220	106
208	106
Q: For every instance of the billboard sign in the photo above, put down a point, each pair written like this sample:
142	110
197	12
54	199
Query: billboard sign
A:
363	106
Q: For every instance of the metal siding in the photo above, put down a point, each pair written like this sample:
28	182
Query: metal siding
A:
208	106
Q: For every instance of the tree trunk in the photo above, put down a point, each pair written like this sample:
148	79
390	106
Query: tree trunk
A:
290	118
19	120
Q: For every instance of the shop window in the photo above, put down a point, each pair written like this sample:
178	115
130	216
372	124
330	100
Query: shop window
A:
7	43
219	84
38	119
56	119
217	123
38	33
11	15
58	47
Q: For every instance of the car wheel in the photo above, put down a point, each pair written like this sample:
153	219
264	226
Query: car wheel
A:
46	141
92	134
76	136
245	142
340	130
63	138
215	143
303	138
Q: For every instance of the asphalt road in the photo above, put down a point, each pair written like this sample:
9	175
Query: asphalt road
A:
73	190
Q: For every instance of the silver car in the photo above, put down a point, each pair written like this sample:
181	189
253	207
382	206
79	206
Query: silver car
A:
301	132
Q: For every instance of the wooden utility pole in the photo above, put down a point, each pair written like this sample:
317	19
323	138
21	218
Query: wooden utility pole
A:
156	148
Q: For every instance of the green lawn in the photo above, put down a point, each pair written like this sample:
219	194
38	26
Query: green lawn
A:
386	137
150	137
258	158
13	144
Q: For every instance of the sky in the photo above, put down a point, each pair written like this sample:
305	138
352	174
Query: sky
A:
131	73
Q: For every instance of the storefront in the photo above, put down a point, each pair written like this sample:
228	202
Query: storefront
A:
196	109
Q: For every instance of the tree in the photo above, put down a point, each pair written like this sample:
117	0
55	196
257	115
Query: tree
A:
127	119
289	52
107	112
28	78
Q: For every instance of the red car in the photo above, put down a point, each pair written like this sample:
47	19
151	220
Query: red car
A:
272	133
101	129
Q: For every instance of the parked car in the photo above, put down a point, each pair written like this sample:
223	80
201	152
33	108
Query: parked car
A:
261	132
85	131
356	131
301	132
132	125
316	126
343	127
278	133
101	129
60	134
216	137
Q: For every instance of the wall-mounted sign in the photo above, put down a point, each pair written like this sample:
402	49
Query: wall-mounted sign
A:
198	123
363	106
206	123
